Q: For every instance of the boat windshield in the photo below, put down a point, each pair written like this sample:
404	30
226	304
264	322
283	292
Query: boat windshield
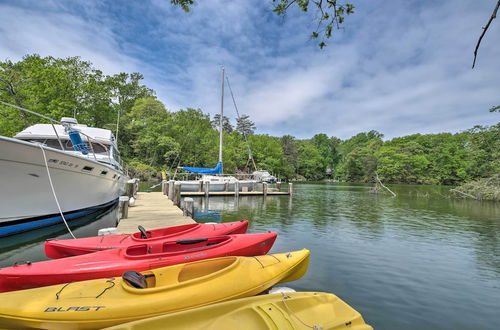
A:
54	143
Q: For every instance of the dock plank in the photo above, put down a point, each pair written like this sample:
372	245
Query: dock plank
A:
152	210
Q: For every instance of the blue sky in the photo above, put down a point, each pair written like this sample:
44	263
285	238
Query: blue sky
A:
399	67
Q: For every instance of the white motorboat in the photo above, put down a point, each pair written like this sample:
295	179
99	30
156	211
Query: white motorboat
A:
75	166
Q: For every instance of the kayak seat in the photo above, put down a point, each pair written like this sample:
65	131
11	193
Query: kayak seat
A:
135	279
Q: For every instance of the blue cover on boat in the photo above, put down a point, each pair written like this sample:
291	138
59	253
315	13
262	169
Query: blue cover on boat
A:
203	170
77	142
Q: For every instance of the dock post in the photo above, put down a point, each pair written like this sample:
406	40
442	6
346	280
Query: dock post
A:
290	188
237	188
136	187
253	186
170	190
123	207
264	189
129	188
188	209
206	186
177	194
226	186
200	185
164	187
278	186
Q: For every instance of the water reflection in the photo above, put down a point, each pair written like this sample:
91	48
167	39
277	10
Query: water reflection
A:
29	246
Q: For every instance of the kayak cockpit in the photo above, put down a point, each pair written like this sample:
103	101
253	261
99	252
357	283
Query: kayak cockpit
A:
175	247
165	232
170	277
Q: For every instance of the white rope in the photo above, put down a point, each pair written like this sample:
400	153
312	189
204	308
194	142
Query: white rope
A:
54	192
314	327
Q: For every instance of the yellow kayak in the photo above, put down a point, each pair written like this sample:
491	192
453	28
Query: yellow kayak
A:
106	302
283	311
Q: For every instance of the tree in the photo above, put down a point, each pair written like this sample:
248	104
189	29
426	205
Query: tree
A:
53	87
245	126
148	122
328	14
226	124
310	163
485	28
268	153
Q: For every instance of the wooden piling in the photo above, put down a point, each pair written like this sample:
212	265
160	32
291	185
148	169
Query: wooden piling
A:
237	188
177	194
123	207
264	189
188	207
129	188
290	188
206	186
164	187
200	185
171	190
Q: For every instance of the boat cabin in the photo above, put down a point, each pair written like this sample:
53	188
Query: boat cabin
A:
100	142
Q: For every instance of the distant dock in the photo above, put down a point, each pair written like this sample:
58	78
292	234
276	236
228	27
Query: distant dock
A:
173	189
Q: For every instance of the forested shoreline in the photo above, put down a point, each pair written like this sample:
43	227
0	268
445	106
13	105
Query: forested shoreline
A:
152	138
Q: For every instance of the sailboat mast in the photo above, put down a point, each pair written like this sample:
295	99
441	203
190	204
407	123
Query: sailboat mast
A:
221	114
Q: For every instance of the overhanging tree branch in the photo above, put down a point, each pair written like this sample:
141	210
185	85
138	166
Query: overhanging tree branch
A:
485	28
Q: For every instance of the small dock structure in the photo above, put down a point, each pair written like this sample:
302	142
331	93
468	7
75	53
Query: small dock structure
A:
173	189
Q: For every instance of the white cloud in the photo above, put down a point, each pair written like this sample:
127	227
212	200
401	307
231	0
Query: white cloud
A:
399	67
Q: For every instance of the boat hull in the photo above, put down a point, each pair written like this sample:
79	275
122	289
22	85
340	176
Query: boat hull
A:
71	247
80	184
106	302
270	311
136	257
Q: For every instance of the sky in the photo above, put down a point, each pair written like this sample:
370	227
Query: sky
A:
398	67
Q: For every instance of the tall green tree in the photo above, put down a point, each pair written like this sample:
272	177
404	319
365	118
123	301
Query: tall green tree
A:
245	126
226	124
147	125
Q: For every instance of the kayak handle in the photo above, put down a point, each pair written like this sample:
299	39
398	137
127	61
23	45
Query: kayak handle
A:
191	241
144	233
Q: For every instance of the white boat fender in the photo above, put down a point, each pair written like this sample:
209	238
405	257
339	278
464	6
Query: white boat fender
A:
280	289
131	201
107	231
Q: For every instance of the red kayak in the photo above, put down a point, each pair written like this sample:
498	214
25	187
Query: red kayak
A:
114	262
72	247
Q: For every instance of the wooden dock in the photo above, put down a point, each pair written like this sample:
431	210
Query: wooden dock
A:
232	193
162	209
152	210
173	190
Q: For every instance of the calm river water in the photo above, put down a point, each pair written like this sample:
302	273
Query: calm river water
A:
417	261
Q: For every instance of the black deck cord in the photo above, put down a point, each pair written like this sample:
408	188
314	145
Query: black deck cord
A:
111	280
272	255
258	261
59	292
126	236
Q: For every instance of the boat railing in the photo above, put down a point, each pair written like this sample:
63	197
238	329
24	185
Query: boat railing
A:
52	121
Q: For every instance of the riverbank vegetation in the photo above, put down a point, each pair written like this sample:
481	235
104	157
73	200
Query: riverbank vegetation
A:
152	138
